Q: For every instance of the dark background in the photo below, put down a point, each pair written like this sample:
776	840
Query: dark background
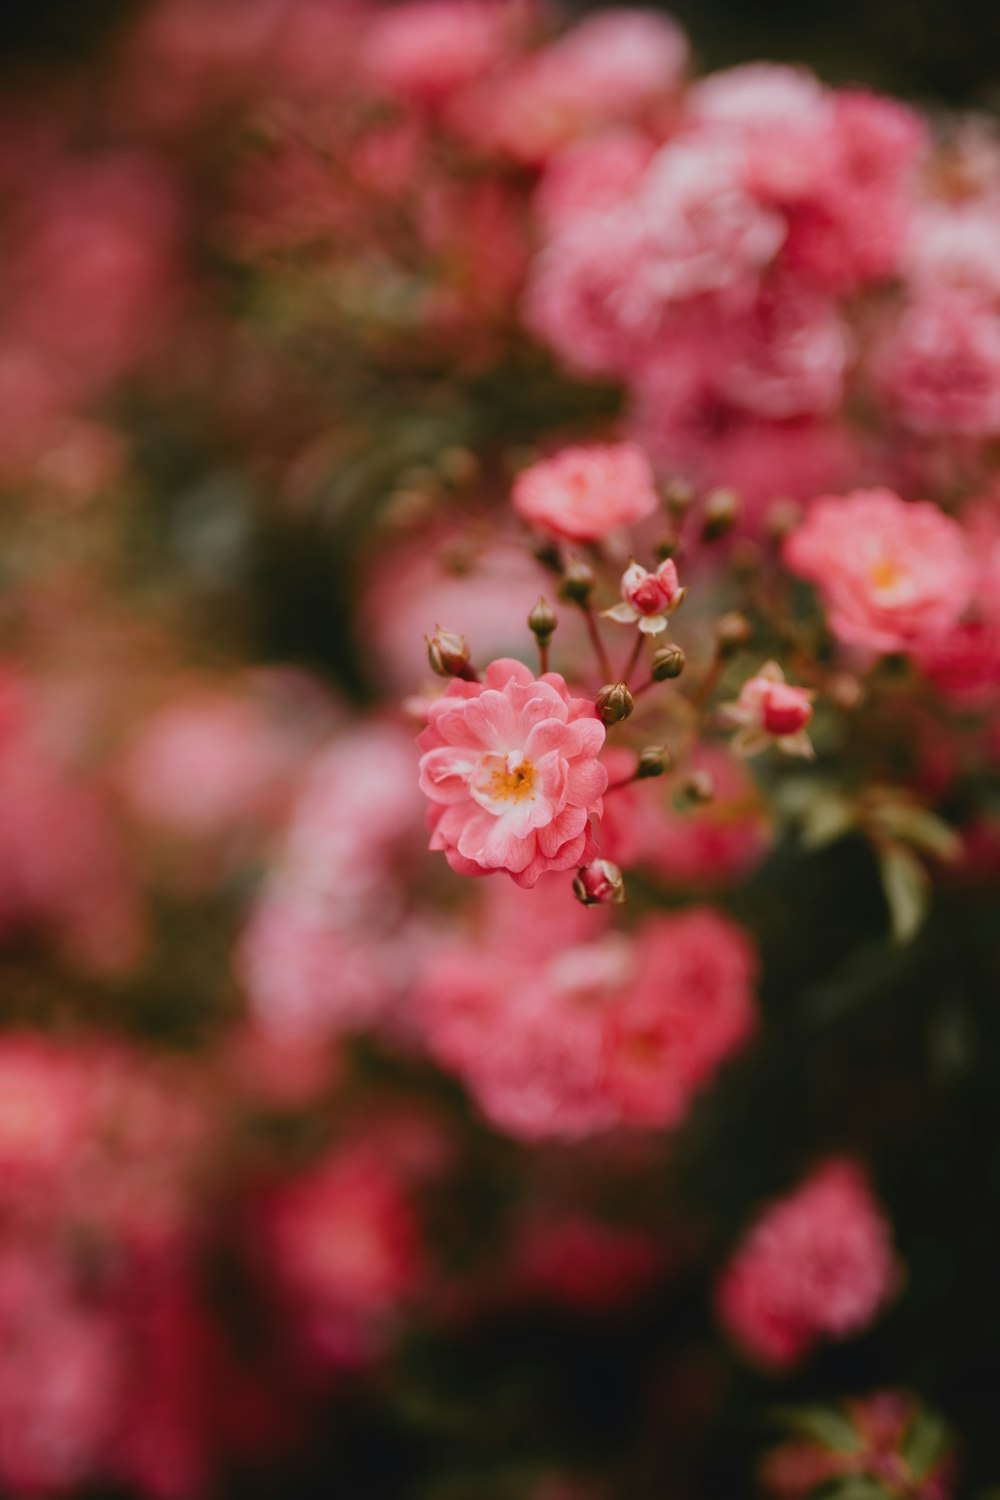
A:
946	50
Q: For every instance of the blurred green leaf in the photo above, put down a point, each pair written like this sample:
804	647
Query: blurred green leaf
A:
926	1442
907	888
825	1424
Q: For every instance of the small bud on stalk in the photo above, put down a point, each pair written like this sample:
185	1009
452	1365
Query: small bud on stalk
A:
668	662
666	548
732	632
653	761
448	654
542	622
720	514
697	790
782	517
613	703
577	583
599	884
678	497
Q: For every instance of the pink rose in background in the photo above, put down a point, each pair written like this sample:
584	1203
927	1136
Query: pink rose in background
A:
585	494
614	67
341	1244
818	1264
939	367
892	575
510	766
426	50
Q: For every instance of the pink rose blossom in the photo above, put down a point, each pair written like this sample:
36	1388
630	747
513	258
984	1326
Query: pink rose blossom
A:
585	494
710	845
615	67
892	575
343	1247
817	1264
591	176
561	1035
427	49
648	598
511	767
688	1005
940	366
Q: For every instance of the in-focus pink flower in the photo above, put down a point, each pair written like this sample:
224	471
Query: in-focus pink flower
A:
648	598
585	494
769	711
892	575
818	1264
510	766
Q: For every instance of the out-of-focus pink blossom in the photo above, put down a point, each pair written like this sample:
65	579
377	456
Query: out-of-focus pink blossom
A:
511	769
615	67
565	1041
892	575
342	1246
426	50
817	1264
580	1263
591	176
690	1004
585	494
940	365
712	844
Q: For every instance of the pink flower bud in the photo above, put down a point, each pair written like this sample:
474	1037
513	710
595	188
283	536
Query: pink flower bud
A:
769	708
783	709
599	883
648	597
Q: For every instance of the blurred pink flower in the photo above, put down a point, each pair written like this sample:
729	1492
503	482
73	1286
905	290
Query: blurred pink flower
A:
585	494
892	575
817	1264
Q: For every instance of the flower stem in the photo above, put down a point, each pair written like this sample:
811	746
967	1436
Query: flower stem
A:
600	650
634	655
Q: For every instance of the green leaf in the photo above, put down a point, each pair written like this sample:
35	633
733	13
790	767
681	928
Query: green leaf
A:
854	1487
918	826
907	888
825	1424
926	1442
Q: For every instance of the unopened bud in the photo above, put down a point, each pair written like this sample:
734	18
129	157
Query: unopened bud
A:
577	583
697	789
548	554
720	513
844	690
667	662
678	497
732	632
448	653
782	517
614	703
542	622
599	884
459	466
653	761
745	559
666	547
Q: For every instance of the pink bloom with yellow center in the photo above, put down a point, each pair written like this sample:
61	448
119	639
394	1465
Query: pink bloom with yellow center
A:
648	597
585	494
893	575
770	710
511	768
